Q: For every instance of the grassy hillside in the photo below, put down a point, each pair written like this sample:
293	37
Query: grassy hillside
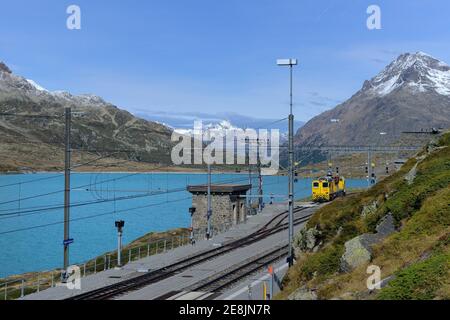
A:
416	257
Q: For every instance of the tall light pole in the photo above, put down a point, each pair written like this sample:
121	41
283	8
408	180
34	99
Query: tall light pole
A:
208	199
290	63
250	182
260	179
67	241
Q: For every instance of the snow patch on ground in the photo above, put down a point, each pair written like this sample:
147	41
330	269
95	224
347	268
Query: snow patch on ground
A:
36	86
387	87
441	81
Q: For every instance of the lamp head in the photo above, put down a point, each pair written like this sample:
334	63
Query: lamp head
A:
120	224
287	62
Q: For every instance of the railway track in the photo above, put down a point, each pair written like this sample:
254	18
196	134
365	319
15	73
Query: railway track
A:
275	225
240	271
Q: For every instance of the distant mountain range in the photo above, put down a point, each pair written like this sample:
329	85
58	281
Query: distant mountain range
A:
410	94
184	122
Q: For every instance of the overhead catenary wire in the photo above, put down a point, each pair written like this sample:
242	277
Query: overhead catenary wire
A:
101	214
32	181
25	212
58	175
37	116
90	217
77	187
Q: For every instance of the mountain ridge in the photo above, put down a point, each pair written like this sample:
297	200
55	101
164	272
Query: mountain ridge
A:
410	94
97	125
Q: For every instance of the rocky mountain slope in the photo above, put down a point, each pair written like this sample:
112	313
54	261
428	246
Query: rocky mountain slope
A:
98	126
401	227
410	94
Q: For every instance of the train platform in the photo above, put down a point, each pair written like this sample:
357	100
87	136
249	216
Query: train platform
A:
154	262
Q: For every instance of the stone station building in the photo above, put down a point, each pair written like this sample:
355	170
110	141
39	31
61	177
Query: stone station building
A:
228	202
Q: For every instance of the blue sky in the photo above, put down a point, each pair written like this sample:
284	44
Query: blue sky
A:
204	56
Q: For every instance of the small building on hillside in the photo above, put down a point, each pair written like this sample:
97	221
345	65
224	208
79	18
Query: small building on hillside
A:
228	204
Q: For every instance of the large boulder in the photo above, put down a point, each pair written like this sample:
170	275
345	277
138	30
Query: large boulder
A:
411	175
358	251
385	227
369	209
308	240
303	293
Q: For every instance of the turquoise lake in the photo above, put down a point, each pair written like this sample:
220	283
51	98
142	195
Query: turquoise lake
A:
31	213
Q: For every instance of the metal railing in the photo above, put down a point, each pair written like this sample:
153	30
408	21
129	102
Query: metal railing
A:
36	282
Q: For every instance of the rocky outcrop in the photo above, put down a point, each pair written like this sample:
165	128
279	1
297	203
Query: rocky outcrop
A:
4	68
411	175
386	227
308	240
369	209
358	251
303	293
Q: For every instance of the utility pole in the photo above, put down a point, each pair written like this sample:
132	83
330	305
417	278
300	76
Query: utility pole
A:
209	212
260	180
371	177
67	240
250	182
290	63
369	168
192	236
291	174
330	165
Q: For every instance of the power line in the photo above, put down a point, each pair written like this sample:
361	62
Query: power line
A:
26	212
124	198
37	116
102	214
45	208
91	216
59	191
31	181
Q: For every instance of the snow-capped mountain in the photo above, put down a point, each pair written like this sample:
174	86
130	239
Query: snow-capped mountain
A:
36	86
14	83
223	127
410	94
98	125
419	71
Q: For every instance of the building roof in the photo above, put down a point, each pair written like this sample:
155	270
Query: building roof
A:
220	188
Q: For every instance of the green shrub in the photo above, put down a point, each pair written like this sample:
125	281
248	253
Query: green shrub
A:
323	263
432	175
419	281
445	140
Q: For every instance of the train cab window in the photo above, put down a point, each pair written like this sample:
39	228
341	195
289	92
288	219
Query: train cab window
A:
325	184
315	184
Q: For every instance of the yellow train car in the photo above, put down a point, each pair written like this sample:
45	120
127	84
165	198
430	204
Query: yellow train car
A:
328	188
